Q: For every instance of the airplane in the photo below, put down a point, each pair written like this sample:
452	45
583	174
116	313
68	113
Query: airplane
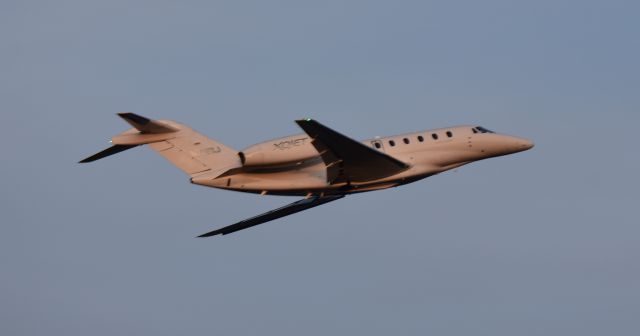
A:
322	165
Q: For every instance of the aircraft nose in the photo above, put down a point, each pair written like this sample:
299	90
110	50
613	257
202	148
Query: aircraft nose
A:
524	144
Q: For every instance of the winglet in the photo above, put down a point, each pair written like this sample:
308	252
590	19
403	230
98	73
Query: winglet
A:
145	125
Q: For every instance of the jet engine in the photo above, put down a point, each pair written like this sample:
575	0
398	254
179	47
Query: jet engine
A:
286	151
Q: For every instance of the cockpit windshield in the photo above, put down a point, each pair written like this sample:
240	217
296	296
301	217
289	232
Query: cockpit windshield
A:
483	130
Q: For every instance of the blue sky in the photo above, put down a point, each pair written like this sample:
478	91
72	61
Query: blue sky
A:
543	242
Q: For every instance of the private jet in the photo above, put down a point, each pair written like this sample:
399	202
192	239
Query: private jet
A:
321	165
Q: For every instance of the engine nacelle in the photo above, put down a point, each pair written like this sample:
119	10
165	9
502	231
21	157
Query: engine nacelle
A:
284	151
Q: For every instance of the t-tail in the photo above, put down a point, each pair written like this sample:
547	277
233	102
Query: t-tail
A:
190	151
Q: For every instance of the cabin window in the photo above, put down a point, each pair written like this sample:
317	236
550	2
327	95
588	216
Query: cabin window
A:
377	144
434	136
392	143
420	138
449	134
406	140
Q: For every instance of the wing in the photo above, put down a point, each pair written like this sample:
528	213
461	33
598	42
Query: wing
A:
286	210
349	160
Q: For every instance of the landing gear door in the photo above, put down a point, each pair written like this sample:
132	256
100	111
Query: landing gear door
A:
377	144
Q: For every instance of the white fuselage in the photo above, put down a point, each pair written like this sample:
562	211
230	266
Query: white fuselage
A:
292	166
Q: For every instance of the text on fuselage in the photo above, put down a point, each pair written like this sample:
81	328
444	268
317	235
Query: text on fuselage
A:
287	144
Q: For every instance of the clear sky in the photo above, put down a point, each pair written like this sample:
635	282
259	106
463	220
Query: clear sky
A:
545	242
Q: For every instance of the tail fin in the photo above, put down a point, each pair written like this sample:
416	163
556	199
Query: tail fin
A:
187	149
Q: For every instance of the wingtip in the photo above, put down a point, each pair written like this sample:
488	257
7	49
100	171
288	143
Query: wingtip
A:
88	159
209	234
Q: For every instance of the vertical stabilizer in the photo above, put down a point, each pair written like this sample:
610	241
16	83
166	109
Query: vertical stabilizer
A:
195	153
185	148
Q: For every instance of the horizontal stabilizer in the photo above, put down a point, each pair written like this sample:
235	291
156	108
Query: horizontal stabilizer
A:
145	125
115	149
286	210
